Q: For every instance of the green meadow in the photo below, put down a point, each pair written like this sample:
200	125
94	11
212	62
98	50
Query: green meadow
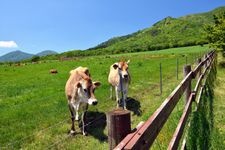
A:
33	107
217	131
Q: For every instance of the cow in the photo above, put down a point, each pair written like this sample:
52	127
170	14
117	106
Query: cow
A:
53	71
119	78
80	89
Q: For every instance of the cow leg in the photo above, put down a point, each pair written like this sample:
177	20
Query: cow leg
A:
77	109
111	92
72	131
124	99
117	95
83	120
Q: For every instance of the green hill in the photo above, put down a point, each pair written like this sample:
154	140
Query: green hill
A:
46	53
15	56
167	33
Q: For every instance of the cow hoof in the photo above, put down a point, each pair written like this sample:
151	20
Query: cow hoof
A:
85	133
72	132
77	118
117	105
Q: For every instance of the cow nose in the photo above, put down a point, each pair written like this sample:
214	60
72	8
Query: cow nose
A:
125	76
95	103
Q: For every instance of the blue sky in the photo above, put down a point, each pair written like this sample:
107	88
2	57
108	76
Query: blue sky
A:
62	25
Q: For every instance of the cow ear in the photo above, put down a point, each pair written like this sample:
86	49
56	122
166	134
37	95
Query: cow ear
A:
78	85
115	66
86	71
97	84
84	76
128	61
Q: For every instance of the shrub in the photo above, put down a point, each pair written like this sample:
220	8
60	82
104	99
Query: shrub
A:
222	64
35	58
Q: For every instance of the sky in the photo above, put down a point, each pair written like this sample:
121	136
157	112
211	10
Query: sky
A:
62	25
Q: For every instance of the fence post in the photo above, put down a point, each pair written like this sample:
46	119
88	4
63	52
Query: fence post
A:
187	69
206	63
200	71
119	125
177	71
215	61
160	76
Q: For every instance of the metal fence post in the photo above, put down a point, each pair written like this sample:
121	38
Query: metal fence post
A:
160	80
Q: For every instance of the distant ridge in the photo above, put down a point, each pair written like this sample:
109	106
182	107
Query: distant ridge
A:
46	52
167	33
15	56
19	55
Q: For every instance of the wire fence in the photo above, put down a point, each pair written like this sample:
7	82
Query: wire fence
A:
67	136
32	100
178	63
42	131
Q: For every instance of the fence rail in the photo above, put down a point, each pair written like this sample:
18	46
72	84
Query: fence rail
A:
145	134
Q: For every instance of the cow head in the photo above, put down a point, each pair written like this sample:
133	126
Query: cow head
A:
86	90
122	67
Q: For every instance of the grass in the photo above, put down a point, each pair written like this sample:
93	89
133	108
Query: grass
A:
202	120
207	129
218	133
33	107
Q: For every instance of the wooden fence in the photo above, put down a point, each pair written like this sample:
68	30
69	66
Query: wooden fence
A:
145	133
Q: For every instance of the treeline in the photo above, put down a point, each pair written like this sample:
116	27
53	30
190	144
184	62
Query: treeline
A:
129	49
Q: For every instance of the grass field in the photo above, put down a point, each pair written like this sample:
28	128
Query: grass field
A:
33	107
218	133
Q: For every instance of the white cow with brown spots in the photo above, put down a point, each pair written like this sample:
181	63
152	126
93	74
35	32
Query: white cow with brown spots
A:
80	89
119	78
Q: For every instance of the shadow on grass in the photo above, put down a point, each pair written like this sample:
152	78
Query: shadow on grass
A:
95	124
133	105
202	121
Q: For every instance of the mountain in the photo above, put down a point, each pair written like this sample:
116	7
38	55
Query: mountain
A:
19	55
15	56
166	33
169	32
46	52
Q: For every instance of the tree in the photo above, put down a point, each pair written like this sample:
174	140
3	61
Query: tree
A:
216	32
35	58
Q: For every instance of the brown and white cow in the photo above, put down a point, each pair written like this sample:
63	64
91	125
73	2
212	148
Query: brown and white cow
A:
80	89
119	78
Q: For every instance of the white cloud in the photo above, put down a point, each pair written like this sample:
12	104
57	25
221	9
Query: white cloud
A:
8	44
